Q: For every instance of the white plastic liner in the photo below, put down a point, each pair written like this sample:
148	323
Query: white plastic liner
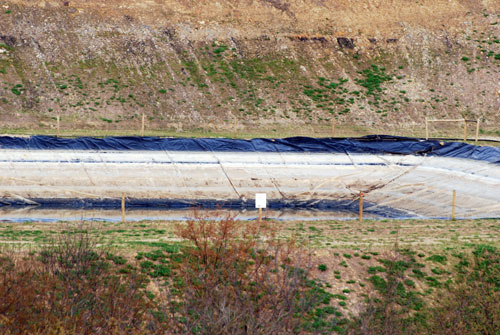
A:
417	185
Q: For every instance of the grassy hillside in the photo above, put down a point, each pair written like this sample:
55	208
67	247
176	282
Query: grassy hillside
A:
276	66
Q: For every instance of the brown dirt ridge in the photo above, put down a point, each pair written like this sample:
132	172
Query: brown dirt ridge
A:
222	65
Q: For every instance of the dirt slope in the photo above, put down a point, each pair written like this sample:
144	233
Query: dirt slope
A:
190	64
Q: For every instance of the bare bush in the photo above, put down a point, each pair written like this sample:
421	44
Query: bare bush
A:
69	288
73	253
240	278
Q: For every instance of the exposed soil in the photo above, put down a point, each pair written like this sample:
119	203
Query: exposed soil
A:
281	65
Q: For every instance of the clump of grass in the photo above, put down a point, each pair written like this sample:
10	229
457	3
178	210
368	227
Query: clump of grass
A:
17	90
437	259
220	49
375	269
372	80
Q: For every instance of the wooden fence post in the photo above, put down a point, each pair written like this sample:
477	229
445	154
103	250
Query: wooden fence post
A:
235	127
477	130
465	130
142	125
260	215
123	207
453	201
426	128
361	207
333	127
58	126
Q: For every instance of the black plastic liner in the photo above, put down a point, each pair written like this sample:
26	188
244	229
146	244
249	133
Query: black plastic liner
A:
346	206
373	144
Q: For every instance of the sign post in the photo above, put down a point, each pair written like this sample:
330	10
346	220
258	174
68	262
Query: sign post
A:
260	203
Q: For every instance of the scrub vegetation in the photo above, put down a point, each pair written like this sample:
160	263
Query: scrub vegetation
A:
226	276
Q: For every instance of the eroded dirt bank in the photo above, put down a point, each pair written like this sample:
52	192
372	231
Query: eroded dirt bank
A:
192	64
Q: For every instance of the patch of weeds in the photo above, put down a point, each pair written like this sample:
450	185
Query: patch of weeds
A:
437	271
118	260
409	282
393	267
433	282
378	282
322	267
375	269
17	90
437	259
220	49
6	47
372	80
418	273
339	296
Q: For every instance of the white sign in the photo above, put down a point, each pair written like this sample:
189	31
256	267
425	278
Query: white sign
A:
260	200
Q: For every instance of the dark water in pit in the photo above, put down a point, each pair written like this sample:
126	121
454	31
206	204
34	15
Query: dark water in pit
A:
51	215
167	209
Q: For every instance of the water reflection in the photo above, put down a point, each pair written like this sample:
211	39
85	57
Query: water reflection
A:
50	215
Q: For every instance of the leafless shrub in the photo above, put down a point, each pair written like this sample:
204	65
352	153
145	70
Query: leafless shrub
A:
239	278
69	288
73	253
